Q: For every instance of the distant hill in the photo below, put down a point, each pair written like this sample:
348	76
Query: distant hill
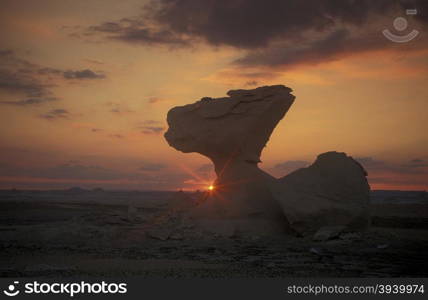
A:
390	196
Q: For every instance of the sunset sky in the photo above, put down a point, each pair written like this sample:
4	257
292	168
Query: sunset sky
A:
85	86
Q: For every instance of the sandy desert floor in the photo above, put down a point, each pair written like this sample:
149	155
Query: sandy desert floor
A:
78	233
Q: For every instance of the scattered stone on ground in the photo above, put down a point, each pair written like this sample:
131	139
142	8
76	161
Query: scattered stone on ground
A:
328	232
160	234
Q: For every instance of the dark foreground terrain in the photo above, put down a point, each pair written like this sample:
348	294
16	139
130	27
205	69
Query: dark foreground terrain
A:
99	233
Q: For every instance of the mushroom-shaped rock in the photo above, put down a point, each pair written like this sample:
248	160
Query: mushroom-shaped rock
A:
234	128
333	191
232	132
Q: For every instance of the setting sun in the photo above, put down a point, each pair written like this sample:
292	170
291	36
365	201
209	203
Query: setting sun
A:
211	188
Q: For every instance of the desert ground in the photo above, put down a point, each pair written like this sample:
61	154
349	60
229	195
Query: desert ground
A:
80	232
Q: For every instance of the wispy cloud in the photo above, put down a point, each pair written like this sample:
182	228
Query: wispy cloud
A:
116	136
78	173
413	166
93	61
56	114
82	74
20	78
154	100
29	101
136	31
119	108
152	129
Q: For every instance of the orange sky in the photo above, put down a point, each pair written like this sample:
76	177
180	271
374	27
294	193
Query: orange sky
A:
105	128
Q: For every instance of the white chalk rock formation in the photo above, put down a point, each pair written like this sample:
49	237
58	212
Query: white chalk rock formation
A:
333	191
232	132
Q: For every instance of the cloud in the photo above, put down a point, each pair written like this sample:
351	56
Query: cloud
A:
30	101
137	31
116	136
75	173
30	168
335	44
150	122
72	74
70	170
119	108
17	78
121	111
20	78
154	100
93	61
249	76
417	163
82	74
152	129
271	33
55	114
414	166
78	171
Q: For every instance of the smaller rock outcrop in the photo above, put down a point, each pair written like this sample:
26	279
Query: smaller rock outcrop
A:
333	191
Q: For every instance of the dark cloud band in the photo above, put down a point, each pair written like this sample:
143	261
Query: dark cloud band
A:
272	32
